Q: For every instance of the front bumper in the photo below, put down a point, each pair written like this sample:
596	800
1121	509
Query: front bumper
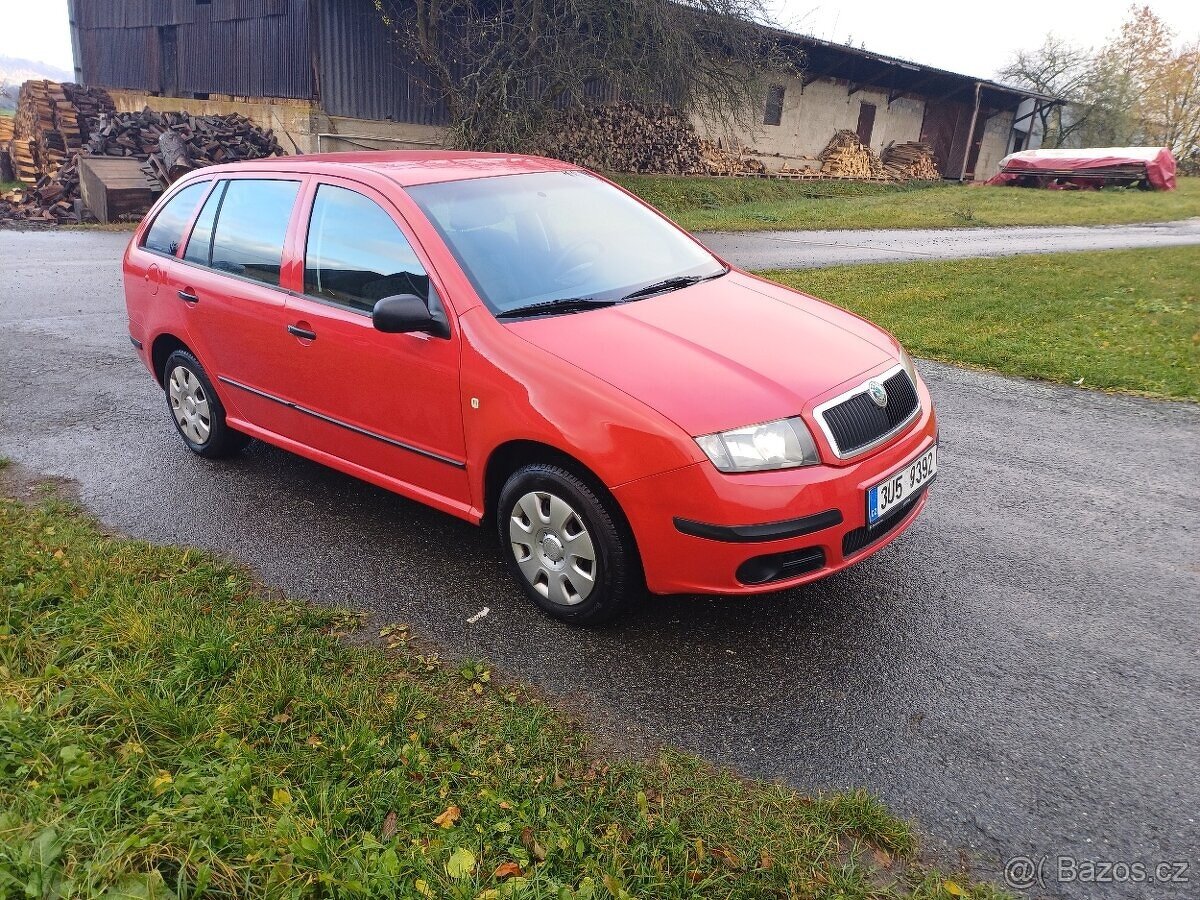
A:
701	531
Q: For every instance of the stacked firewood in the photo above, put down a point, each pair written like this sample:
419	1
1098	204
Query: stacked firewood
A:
910	161
173	143
52	123
845	156
170	143
643	138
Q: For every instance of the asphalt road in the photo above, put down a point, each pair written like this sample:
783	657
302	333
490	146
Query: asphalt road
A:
1019	673
808	249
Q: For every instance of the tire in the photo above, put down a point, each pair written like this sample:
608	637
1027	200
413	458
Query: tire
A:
553	529
196	409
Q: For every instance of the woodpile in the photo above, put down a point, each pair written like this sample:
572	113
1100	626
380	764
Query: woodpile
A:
845	156
912	161
640	138
169	144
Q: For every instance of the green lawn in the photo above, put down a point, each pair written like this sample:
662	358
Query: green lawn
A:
754	204
167	729
1124	320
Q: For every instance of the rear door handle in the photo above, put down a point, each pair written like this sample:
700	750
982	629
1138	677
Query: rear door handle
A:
188	297
302	333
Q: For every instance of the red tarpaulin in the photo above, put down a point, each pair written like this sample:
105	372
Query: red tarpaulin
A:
1155	165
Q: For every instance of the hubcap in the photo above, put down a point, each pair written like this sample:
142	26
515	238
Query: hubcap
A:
189	404
553	548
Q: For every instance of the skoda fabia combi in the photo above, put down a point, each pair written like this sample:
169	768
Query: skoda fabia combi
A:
518	342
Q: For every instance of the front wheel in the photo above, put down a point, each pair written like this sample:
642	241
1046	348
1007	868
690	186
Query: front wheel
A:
572	555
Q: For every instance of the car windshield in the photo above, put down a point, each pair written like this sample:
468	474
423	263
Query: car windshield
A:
555	236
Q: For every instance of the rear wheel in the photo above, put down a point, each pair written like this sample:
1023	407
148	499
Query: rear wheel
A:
569	552
196	410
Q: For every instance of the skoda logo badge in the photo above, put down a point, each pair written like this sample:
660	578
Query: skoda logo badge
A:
878	393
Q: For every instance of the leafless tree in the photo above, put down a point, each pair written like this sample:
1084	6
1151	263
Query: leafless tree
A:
1062	70
502	67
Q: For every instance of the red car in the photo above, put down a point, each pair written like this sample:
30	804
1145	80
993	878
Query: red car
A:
523	344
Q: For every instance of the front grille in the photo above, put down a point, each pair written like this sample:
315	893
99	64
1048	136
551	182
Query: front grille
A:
857	422
861	538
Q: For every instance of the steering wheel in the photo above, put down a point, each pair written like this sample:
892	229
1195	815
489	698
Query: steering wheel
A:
573	275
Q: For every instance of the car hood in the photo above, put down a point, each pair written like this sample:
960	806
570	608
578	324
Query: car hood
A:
720	354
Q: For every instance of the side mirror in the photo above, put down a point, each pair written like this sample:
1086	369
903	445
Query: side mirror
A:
406	313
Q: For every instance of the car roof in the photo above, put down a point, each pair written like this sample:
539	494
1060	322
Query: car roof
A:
405	167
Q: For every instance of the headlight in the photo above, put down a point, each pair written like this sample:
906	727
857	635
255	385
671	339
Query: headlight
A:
909	366
783	444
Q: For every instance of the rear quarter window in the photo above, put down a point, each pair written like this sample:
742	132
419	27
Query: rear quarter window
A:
166	232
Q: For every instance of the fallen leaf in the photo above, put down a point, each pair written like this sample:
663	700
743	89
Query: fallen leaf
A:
281	797
765	860
421	886
507	870
461	863
536	850
281	719
449	817
883	858
313	741
388	829
953	889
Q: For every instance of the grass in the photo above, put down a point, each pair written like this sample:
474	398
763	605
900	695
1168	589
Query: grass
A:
6	186
167	728
1121	320
755	204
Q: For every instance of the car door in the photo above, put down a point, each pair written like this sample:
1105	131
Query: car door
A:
228	278
386	402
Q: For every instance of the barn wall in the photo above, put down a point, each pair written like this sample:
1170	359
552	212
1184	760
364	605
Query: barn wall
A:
253	48
810	118
994	145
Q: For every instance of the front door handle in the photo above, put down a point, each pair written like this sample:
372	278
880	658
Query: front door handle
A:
302	333
188	297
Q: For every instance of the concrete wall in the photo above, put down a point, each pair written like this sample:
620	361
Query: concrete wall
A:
300	125
994	146
812	115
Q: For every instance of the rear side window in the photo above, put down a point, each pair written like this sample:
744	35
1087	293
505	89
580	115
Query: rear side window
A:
356	255
166	233
252	222
199	245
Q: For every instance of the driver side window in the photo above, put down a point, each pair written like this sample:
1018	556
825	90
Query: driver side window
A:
356	254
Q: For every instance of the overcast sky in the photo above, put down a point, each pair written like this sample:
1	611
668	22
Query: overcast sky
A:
971	38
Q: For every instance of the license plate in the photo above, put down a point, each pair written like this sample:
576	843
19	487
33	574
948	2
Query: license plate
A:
901	485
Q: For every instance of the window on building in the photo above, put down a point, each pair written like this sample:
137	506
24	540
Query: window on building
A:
252	223
167	231
774	111
356	254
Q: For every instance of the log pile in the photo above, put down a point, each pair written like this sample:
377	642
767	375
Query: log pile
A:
174	143
912	161
640	138
845	156
170	144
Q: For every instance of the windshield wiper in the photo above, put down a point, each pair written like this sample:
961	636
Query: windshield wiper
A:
554	307
671	284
